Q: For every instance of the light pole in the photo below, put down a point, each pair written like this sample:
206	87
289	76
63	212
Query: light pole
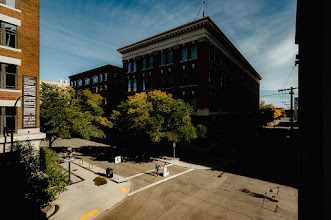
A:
174	147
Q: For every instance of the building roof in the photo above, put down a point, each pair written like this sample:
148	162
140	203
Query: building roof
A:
205	22
88	71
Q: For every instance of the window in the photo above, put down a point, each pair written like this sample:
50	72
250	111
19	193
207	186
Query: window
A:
8	119
170	79
87	81
135	85
194	76
8	76
8	34
129	67
183	78
80	82
106	77
129	85
162	58
95	79
144	83
194	102
194	51
162	81
100	76
10	3
72	84
184	54
134	66
144	63
170	57
75	84
105	87
151	62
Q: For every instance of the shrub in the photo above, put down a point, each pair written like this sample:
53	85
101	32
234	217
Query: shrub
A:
99	181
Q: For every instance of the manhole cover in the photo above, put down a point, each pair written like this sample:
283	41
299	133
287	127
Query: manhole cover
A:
244	190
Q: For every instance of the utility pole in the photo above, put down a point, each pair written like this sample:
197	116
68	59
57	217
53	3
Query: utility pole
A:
291	112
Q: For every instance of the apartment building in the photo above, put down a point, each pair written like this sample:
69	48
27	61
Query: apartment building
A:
195	62
105	80
19	72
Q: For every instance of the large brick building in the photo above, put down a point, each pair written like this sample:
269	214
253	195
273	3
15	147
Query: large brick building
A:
105	80
19	71
197	63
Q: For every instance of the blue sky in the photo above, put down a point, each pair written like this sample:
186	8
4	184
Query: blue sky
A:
78	35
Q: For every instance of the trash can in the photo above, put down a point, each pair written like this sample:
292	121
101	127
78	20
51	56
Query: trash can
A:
109	172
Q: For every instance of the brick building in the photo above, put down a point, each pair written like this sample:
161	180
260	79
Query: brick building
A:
197	63
19	71
105	80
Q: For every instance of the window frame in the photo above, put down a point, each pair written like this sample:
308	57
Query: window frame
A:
195	47
162	59
5	3
3	76
3	119
186	51
3	34
89	81
95	79
170	52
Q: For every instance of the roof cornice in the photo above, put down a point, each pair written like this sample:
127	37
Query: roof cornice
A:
165	35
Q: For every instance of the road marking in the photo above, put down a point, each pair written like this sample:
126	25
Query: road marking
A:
161	181
89	214
139	174
183	165
123	188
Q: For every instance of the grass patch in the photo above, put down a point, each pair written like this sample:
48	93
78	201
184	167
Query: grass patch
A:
99	181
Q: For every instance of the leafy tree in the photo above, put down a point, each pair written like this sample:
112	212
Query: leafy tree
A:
64	114
270	112
57	179
158	116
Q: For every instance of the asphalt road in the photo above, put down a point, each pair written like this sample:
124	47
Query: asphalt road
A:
197	194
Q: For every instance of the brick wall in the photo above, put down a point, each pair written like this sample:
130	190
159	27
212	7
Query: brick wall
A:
28	42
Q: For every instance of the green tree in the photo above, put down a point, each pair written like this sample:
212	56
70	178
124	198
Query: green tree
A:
57	179
158	116
64	114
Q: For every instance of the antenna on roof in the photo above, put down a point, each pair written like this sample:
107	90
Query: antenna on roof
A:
203	10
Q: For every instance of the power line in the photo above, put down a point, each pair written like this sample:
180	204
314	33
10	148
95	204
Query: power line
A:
288	76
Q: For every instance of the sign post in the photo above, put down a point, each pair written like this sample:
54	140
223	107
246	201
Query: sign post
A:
69	160
118	161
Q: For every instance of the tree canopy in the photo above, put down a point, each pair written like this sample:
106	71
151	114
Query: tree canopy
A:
64	114
158	116
270	112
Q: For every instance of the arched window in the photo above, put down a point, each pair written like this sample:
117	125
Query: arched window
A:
87	81
100	76
80	82
95	79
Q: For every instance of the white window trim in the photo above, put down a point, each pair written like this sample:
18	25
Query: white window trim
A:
10	60
10	48
14	9
9	103
10	20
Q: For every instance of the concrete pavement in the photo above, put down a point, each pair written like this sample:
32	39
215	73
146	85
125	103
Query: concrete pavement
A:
85	200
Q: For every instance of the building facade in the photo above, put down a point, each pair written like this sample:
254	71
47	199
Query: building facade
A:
60	83
197	63
105	80
19	71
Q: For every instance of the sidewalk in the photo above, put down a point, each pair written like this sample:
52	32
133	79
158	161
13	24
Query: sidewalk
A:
85	200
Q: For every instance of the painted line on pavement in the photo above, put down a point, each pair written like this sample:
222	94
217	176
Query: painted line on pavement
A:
89	214
139	174
161	181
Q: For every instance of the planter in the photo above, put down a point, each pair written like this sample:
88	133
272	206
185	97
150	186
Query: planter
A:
49	210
